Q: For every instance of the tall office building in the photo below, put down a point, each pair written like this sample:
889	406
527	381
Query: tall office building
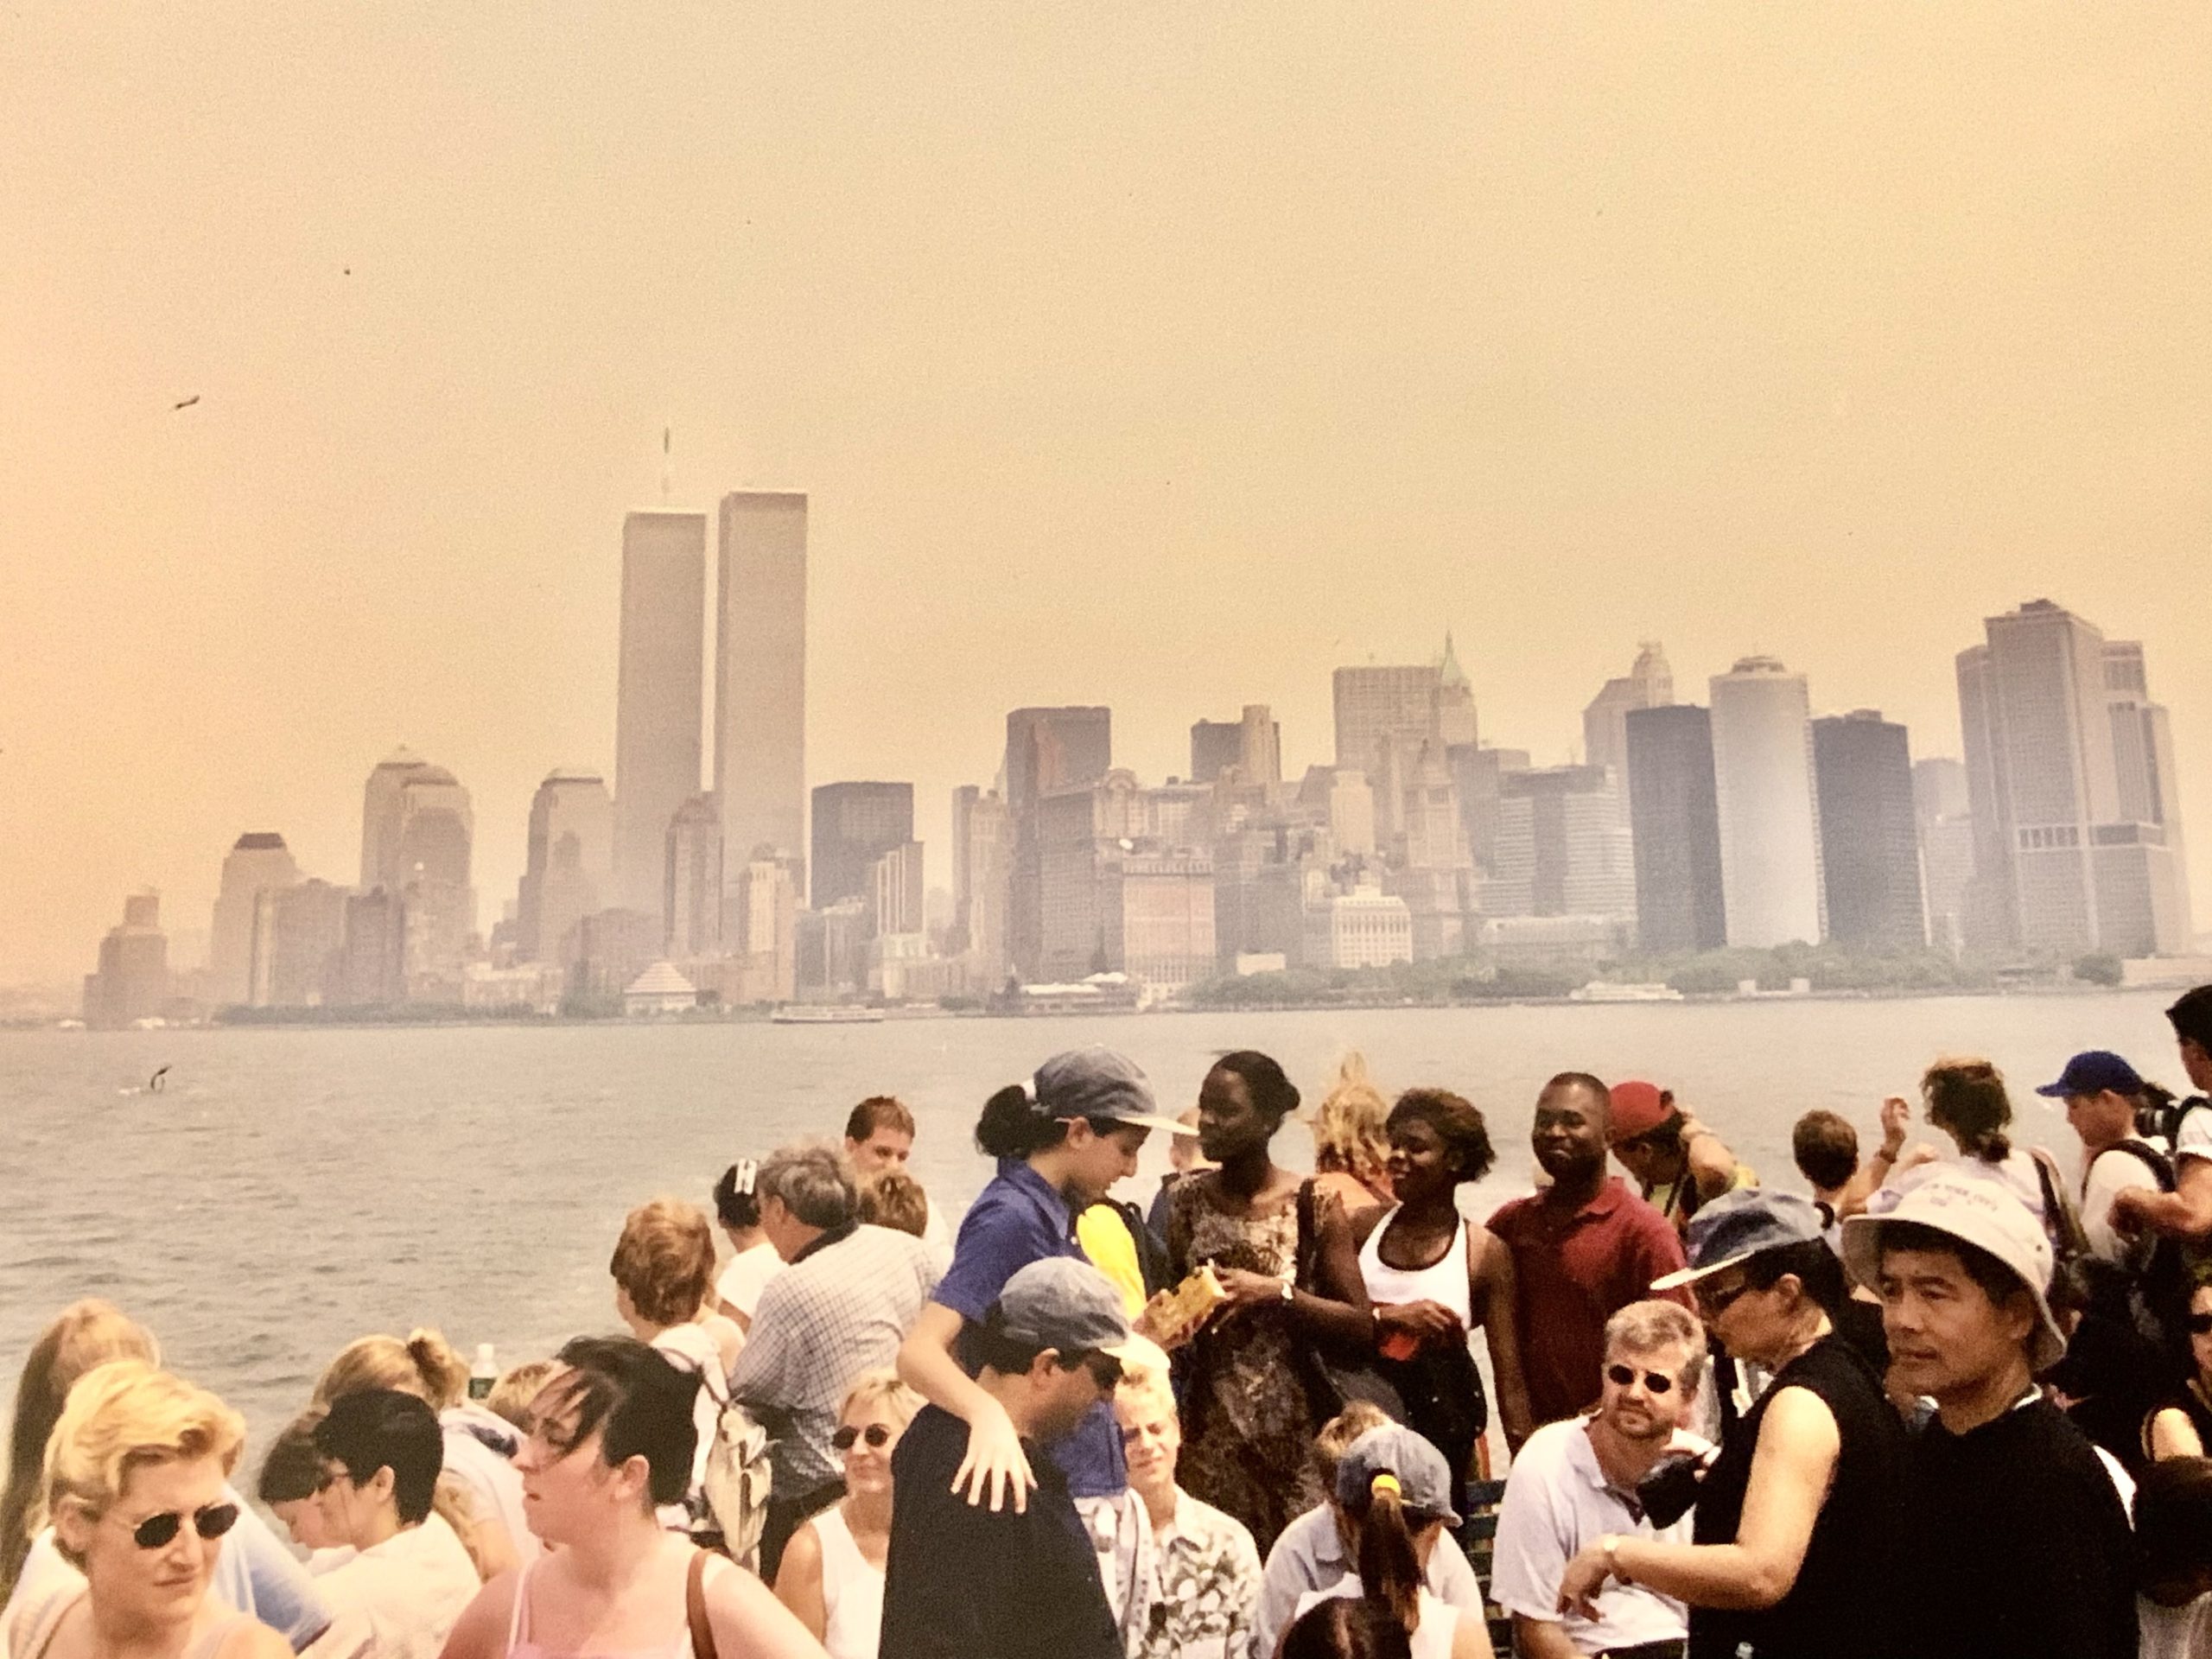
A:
692	893
1381	708
380	813
1455	700
1675	814
438	830
1252	744
896	894
1870	842
657	699
1046	750
132	981
569	869
1945	826
1563	848
2069	854
1770	821
855	824
258	862
299	935
982	854
1649	684
1478	771
760	675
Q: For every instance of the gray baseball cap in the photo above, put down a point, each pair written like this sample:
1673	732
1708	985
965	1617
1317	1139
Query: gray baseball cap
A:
1424	1478
1098	1082
1738	1225
1068	1305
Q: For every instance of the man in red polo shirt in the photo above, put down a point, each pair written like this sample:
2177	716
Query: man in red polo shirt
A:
1583	1248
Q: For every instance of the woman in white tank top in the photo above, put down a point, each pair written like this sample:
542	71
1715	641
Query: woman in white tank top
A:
832	1572
1434	1277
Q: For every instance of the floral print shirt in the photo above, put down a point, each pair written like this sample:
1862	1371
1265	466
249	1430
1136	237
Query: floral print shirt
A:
1206	1586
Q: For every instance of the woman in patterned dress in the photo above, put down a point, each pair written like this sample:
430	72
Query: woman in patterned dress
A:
1254	1394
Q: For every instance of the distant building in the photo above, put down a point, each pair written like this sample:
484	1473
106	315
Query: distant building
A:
1046	750
1455	700
760	931
1258	889
614	946
1252	745
833	948
2070	773
381	818
855	824
692	897
1364	928
982	870
132	982
1477	775
258	862
1351	813
299	943
1675	823
1945	827
1870	860
661	989
1770	824
1381	712
656	707
760	675
896	894
570	868
437	828
1562	846
1215	744
1552	943
1649	684
372	968
1157	909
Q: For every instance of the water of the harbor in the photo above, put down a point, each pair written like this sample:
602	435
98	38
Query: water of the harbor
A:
289	1190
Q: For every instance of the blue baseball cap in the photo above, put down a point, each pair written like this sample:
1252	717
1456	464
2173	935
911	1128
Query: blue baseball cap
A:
1738	1225
2091	1073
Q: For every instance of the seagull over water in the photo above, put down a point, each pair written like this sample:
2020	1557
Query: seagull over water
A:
185	403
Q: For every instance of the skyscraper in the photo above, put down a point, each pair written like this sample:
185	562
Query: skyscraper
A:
760	675
1675	818
1945	829
1377	708
1562	846
299	935
1649	684
132	982
570	868
1455	699
656	705
982	854
1252	744
258	862
1770	824
438	830
1046	750
855	824
896	894
1215	744
381	818
692	899
2076	848
1869	845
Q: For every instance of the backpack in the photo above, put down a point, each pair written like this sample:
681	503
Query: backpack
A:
1152	1263
2154	1298
2167	1123
734	1490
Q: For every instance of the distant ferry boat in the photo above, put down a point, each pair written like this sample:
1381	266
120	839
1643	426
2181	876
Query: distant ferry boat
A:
802	1014
1599	990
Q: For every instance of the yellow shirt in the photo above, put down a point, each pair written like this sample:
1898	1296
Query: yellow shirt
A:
1105	1239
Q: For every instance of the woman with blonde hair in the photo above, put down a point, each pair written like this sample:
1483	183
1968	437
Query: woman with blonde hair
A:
136	1478
254	1572
479	1494
1351	1145
832	1572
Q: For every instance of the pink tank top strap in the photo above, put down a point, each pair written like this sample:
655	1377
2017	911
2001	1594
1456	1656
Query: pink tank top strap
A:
519	1614
38	1635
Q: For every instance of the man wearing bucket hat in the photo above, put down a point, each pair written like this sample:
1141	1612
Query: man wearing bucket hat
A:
2019	1540
1797	1523
961	1580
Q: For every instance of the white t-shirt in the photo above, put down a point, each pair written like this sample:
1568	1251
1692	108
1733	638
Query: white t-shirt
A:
2112	1173
2193	1135
744	1275
1432	1638
398	1599
1556	1502
493	1483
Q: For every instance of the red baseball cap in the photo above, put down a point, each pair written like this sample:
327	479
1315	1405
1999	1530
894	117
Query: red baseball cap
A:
1638	1109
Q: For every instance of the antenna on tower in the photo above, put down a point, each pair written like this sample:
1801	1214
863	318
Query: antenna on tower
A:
667	464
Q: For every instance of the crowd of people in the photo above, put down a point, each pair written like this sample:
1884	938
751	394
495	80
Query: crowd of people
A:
1952	1400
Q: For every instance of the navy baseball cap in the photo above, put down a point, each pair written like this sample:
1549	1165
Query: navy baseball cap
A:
2091	1073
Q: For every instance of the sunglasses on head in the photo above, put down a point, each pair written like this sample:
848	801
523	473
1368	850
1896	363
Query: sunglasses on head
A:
156	1531
1654	1381
876	1434
2200	1325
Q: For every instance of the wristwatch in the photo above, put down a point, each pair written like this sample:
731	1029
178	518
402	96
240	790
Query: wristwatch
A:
1611	1543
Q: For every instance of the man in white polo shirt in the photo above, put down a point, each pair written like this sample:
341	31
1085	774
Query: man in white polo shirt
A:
1574	1483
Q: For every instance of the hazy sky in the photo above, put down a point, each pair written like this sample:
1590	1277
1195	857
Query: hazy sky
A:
1164	355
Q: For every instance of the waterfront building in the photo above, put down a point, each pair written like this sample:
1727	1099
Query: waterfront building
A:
661	989
760	931
1674	820
1477	774
832	947
299	942
1551	944
1770	821
371	971
2067	857
380	817
437	827
1258	887
982	868
657	699
1364	928
692	899
1649	684
132	981
1157	907
1562	846
761	674
1046	750
1870	842
258	862
614	946
1945	828
855	824
896	894
569	867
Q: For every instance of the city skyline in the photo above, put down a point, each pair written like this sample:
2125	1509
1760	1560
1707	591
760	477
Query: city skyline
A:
1163	360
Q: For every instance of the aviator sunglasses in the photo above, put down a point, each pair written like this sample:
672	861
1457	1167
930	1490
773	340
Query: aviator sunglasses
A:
1654	1381
877	1435
158	1531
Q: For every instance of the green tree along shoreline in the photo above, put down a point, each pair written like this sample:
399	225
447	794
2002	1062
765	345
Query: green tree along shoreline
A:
1709	973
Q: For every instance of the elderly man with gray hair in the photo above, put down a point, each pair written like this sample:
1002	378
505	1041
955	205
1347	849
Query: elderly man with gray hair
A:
1576	1482
844	1301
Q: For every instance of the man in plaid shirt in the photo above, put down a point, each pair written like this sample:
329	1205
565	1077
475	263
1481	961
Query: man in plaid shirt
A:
845	1300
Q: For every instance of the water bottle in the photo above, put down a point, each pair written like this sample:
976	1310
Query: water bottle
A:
484	1373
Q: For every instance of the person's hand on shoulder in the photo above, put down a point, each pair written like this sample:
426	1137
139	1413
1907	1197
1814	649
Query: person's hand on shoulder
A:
995	1467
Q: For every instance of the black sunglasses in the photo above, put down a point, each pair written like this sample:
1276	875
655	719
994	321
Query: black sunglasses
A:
1654	1381
1105	1371
1714	1301
2200	1325
877	1434
158	1531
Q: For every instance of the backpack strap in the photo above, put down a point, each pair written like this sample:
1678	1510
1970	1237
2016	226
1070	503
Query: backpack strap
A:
695	1607
2062	1217
2150	1158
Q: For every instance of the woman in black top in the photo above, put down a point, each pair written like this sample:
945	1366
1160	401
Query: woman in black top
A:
1798	1519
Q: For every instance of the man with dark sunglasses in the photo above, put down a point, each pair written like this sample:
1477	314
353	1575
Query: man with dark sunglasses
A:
975	1583
1575	1482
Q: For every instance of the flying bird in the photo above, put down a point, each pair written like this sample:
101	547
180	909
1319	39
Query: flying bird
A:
154	1083
185	403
